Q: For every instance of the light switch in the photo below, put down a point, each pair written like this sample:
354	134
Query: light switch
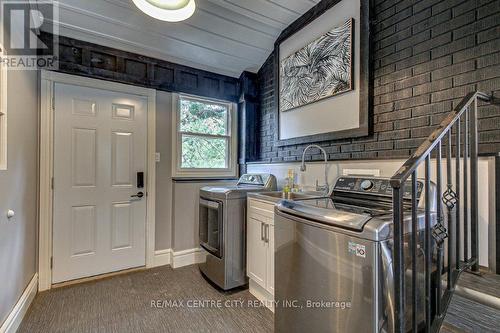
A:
157	157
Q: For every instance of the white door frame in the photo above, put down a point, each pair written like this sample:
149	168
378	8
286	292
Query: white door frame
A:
46	145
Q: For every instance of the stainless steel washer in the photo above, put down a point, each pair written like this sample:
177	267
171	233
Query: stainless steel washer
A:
222	228
333	259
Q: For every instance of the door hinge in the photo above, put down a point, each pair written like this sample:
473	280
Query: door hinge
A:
51	262
52	183
53	103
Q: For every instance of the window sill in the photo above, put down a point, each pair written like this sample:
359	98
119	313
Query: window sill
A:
205	173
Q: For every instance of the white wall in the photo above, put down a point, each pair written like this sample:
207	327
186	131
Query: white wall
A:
315	171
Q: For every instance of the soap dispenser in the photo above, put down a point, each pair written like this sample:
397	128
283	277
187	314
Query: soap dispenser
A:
290	180
289	183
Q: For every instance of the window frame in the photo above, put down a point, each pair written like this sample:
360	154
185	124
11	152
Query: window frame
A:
3	116
232	141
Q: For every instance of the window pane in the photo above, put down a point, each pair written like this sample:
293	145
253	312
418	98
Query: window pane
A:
203	153
203	117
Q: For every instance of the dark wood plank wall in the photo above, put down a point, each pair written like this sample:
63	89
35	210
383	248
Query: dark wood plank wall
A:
249	118
101	62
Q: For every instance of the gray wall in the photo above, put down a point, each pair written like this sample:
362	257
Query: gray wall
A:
164	183
18	190
186	213
176	202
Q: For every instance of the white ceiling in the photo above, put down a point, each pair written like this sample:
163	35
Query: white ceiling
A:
223	36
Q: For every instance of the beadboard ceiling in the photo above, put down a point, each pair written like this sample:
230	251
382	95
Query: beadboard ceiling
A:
223	36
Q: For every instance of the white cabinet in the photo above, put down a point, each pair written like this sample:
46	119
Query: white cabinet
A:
256	251
260	249
270	259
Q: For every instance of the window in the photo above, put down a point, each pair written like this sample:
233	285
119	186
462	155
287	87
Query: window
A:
3	117
204	138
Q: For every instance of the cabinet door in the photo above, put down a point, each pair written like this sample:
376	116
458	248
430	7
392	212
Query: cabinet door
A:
270	259
256	251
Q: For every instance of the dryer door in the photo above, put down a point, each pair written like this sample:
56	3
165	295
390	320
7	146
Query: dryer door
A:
211	223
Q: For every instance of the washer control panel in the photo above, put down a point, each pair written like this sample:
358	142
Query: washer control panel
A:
251	179
373	186
366	185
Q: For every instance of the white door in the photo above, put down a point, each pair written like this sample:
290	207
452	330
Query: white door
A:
100	146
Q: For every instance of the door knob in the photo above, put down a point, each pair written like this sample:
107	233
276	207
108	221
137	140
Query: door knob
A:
138	195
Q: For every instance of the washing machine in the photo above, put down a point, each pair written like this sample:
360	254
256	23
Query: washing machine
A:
334	255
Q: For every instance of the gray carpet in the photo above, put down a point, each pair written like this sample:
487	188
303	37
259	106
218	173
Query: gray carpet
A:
123	304
465	315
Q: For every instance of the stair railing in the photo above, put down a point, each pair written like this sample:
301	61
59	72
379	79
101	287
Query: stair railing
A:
444	235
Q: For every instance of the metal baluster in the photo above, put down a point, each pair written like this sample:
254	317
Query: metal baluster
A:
457	191
474	190
399	290
414	241
427	245
435	233
466	185
450	201
437	237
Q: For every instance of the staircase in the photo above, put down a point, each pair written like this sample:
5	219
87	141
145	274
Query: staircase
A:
454	299
475	306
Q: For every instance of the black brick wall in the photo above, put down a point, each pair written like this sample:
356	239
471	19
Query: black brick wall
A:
428	54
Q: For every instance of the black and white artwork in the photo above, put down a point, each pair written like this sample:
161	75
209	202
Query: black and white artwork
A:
319	70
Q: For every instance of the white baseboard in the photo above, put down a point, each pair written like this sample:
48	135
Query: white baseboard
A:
179	258
162	257
16	316
188	257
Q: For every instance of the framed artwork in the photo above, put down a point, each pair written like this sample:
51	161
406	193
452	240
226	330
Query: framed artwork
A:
322	74
321	69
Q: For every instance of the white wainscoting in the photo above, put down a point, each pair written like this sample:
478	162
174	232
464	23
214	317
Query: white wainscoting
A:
16	316
387	168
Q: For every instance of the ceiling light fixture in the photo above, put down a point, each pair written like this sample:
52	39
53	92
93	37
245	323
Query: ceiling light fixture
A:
167	10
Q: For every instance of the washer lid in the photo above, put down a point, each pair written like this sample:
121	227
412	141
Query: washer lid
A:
229	192
326	211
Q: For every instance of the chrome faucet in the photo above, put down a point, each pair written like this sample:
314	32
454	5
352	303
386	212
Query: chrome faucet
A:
325	188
